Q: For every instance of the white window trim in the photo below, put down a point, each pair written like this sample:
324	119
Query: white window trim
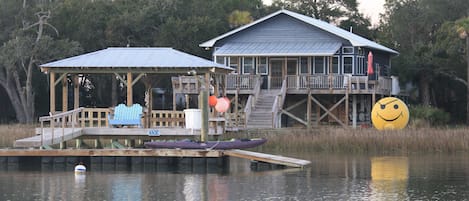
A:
324	65
253	64
308	66
348	47
259	65
353	64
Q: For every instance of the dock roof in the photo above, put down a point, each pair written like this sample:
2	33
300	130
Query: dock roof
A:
142	59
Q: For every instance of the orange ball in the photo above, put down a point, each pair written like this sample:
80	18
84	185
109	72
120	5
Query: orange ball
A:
212	101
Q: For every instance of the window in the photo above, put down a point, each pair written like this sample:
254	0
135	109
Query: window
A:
347	50
347	62
304	65
262	67
360	67
220	60
292	65
335	65
319	65
248	65
234	63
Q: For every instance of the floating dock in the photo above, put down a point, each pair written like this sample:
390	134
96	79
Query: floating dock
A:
205	159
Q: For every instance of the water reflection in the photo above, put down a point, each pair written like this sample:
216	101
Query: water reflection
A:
330	177
389	176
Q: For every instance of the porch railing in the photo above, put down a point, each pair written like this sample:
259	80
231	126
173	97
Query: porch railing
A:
241	81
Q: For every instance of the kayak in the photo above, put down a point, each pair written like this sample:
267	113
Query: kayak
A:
188	144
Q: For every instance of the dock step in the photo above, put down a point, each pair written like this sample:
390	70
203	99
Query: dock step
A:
268	158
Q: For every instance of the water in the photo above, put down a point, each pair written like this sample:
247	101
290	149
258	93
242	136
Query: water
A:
330	177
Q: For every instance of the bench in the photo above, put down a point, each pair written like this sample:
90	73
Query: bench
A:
126	116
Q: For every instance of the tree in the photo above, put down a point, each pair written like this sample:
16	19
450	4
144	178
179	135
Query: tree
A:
462	28
429	55
28	46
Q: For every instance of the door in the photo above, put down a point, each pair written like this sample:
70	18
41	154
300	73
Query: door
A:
276	75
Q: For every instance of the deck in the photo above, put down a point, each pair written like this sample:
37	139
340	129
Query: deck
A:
93	123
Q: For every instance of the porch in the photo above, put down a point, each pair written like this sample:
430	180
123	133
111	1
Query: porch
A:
316	84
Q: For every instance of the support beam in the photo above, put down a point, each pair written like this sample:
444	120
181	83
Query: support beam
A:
129	89
76	92
204	108
138	78
354	111
52	92
328	111
121	79
308	112
346	119
64	94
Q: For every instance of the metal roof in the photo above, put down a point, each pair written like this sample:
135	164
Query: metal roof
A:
354	39
279	49
130	57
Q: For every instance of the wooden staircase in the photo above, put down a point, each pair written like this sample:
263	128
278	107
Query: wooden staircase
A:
261	114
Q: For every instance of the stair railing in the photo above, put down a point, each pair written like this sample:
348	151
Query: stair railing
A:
278	104
252	99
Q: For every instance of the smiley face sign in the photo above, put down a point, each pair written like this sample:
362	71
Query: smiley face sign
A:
390	113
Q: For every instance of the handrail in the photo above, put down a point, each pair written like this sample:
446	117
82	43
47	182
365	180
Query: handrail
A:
257	91
278	103
247	110
61	118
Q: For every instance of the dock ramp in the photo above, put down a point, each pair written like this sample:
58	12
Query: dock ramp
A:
268	158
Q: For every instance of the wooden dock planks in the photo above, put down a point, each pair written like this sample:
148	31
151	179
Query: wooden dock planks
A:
49	137
112	152
268	158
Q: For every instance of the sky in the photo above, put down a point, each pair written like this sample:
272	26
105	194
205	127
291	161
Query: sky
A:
370	8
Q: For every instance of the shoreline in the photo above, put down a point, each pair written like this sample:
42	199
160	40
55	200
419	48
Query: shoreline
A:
325	139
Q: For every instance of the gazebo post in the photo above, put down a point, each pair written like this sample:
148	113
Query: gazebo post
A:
52	92
76	92
204	108
129	89
64	94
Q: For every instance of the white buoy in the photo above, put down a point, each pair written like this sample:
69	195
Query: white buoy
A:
80	168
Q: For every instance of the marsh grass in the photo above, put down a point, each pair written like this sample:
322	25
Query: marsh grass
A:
11	132
325	139
370	141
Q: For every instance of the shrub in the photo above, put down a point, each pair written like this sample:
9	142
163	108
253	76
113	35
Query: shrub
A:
427	115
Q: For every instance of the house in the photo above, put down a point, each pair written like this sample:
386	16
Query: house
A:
294	70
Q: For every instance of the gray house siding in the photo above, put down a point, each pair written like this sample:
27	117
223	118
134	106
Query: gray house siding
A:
281	28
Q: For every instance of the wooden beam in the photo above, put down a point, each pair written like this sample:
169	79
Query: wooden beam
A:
138	78
52	92
76	92
308	111
64	94
60	78
112	152
328	111
204	108
293	116
129	89
346	108
121	79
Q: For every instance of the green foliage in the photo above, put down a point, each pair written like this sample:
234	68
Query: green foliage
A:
428	115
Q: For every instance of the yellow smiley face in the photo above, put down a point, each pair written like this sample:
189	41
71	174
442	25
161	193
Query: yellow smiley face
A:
390	113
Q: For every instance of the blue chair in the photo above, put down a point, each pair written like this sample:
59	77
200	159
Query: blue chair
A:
126	116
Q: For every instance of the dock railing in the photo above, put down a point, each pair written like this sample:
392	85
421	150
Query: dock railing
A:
62	120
